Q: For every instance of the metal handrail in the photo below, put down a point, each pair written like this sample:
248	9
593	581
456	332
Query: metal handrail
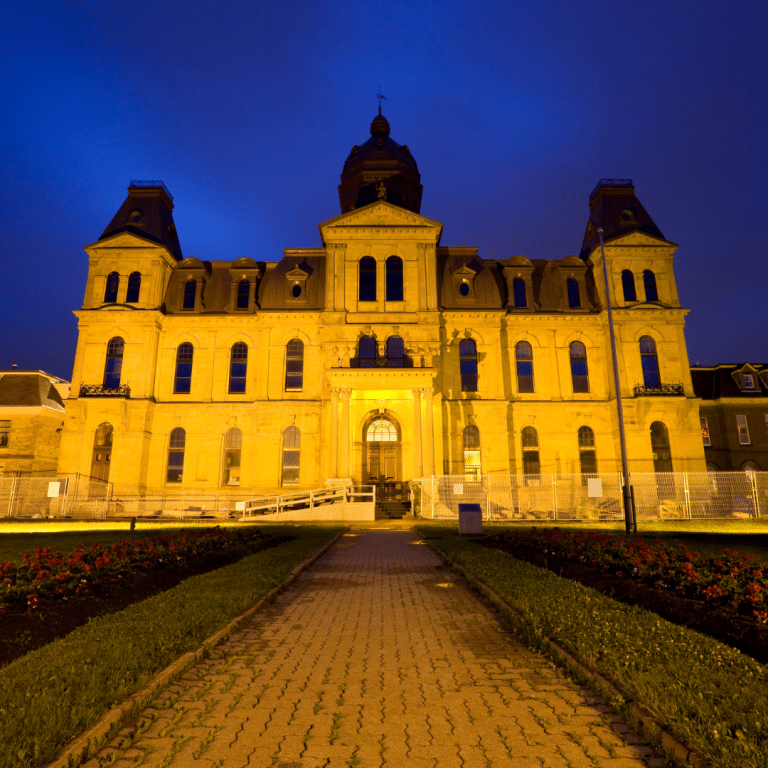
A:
152	183
303	498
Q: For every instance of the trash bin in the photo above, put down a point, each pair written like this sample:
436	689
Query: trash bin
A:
470	518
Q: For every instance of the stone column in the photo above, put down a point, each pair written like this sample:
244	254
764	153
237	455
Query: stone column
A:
429	448
344	464
417	465
333	466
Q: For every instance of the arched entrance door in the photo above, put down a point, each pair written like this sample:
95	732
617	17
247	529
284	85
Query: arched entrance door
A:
102	452
382	457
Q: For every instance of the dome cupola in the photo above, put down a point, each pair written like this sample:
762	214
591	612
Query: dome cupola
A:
380	169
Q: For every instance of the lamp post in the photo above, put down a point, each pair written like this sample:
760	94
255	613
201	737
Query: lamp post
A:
629	512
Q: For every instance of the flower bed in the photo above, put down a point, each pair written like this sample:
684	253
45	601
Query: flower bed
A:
45	576
738	582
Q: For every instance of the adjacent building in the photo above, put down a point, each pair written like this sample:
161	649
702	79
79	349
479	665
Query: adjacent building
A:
734	415
31	421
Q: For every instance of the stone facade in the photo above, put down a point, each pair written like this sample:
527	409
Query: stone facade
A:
382	355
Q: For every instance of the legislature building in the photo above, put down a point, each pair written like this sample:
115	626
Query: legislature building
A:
382	356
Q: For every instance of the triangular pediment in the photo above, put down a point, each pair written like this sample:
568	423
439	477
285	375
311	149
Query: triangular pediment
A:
297	273
639	238
464	271
380	214
124	240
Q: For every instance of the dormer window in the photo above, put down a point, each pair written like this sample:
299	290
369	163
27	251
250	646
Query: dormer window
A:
297	283
243	294
574	299
136	218
749	382
190	293
464	288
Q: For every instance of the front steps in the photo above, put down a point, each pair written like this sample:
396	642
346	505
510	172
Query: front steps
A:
392	510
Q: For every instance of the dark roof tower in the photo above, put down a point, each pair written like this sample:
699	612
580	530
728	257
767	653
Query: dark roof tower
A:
380	161
614	207
147	212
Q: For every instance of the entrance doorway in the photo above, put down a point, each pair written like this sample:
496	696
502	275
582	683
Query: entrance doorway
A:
102	452
382	458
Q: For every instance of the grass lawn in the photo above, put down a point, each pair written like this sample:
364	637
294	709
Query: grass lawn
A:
707	537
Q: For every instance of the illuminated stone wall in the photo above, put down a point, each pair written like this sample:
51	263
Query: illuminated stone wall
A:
337	400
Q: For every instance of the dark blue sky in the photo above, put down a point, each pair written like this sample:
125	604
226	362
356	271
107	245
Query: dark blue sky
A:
247	111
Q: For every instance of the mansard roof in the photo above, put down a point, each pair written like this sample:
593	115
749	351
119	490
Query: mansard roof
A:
614	206
722	380
147	213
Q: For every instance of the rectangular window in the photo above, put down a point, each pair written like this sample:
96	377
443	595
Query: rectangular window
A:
741	424
705	431
748	381
525	376
290	466
5	431
472	465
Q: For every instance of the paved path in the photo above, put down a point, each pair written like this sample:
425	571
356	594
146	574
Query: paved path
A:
376	656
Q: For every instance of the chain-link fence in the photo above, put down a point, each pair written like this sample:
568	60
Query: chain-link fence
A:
58	496
657	496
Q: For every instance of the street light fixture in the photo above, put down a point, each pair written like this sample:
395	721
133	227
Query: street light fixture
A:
629	513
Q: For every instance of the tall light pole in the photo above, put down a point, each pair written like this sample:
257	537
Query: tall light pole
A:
629	512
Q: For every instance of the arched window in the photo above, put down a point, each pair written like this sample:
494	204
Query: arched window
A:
574	300
531	463
394	278
468	365
587	455
291	455
238	366
102	452
182	382
472	467
114	363
524	360
396	353
662	456
366	352
367	285
649	281
190	293
233	444
650	362
176	455
628	283
243	294
518	289
134	286
113	281
381	430
579	374
294	365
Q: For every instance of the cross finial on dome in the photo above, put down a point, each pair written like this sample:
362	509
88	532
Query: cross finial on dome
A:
380	96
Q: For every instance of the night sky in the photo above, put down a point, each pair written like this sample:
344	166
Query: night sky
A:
247	111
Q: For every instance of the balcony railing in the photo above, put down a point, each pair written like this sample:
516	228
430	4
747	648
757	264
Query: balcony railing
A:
662	389
97	390
381	362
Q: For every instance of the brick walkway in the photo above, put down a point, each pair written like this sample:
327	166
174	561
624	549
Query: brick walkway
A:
376	656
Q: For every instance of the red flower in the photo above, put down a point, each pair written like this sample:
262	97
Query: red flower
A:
753	592
713	592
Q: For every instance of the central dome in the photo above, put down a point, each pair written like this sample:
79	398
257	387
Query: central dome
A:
380	160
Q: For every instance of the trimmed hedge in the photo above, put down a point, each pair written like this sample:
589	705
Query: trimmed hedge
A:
50	695
710	695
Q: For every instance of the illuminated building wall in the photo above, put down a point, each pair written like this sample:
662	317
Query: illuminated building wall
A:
382	354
